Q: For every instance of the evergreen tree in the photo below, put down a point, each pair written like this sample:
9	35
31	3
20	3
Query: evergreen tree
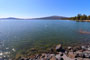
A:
81	17
84	17
78	17
88	18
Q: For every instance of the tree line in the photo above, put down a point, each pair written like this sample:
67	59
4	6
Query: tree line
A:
80	17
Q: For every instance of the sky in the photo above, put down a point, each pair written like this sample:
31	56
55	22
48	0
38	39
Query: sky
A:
42	8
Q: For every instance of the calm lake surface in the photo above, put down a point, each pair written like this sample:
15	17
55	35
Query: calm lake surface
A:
35	33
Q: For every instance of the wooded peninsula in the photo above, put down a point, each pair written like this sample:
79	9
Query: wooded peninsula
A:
80	17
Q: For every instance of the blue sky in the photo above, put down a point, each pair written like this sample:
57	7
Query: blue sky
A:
40	8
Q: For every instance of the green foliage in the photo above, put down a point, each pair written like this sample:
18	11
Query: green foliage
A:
80	17
88	18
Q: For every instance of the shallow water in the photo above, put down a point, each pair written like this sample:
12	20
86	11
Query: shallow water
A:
19	33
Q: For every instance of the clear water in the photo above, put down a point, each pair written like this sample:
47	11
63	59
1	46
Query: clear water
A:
35	33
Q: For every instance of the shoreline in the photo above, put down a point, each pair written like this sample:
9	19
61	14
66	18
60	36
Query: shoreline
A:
49	19
86	20
70	53
82	20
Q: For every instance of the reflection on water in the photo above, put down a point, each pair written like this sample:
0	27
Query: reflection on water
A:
84	32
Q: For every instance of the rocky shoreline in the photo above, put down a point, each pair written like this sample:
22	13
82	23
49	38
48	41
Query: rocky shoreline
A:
59	53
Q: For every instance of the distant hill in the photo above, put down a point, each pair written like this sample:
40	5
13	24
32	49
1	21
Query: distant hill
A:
53	17
10	18
45	18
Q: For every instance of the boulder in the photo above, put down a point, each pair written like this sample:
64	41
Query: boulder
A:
59	48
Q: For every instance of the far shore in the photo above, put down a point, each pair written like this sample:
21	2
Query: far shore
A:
46	19
86	20
82	20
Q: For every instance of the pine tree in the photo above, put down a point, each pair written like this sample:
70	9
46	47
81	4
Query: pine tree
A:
84	17
88	18
78	17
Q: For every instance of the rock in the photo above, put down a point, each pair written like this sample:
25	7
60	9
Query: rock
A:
58	56
71	55
33	49
53	58
69	48
59	48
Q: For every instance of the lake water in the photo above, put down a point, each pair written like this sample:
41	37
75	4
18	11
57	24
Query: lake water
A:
42	33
